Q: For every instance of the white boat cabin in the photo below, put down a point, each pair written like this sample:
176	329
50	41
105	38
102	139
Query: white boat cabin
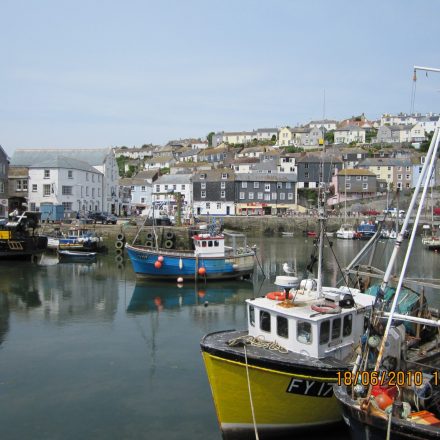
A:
310	326
208	245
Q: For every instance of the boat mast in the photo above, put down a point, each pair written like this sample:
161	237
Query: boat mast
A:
321	218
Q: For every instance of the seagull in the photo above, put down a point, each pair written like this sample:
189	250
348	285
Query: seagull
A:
287	269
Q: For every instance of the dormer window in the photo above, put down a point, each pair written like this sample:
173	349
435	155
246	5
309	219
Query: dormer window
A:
202	176
224	175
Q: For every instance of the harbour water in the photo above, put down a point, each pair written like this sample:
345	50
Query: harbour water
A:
87	352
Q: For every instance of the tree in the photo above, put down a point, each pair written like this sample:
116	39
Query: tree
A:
424	146
329	137
209	137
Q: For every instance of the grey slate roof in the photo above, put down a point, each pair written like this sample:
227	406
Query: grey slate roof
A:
254	177
173	179
60	161
92	156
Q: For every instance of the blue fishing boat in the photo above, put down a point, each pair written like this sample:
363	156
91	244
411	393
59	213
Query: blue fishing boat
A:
366	230
210	259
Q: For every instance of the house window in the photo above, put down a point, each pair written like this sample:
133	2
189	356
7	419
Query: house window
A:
203	185
219	206
267	197
174	187
87	177
365	177
222	194
260	196
279	185
399	177
288	185
18	185
142	199
93	193
67	206
274	196
358	177
203	194
34	187
2	187
208	205
264	321
66	190
202	176
282	196
407	168
143	188
290	196
46	174
166	187
348	178
398	168
244	184
157	188
407	185
46	190
282	327
306	165
256	184
306	175
304	332
407	177
251	196
70	174
267	187
348	186
365	186
224	176
183	187
241	195
132	187
222	185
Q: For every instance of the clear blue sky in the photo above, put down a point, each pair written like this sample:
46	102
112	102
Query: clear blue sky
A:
111	73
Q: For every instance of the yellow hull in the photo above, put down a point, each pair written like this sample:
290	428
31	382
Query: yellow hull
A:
275	400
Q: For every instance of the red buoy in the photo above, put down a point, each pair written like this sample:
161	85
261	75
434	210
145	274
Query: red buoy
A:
202	271
157	264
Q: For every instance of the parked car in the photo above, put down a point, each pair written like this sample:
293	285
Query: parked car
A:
103	217
371	212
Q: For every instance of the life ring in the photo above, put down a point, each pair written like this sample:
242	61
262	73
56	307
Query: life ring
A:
278	296
326	308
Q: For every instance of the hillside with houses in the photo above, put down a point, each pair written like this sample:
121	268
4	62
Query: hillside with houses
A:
266	171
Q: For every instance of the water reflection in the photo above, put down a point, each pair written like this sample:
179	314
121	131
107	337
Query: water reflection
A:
156	296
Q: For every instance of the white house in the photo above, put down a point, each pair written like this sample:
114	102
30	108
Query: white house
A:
102	160
65	181
350	133
167	186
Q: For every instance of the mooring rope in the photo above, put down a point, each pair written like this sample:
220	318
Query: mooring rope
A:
258	341
250	395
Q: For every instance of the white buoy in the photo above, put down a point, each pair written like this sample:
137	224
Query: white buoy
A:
180	280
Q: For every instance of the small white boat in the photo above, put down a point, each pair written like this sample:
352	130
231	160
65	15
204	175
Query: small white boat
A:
287	234
346	231
76	255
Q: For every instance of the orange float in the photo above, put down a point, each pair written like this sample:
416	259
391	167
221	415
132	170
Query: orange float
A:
157	264
202	271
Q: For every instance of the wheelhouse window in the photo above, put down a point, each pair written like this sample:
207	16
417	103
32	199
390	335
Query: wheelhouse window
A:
324	332
304	332
265	321
348	324
252	316
336	328
282	327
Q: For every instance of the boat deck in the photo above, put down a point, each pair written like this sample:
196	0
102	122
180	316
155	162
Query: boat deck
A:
217	345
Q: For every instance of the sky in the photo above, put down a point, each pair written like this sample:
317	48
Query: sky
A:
125	73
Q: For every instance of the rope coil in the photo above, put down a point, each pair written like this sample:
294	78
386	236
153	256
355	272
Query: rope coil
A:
258	341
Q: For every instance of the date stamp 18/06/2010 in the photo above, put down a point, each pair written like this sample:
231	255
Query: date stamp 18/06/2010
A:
390	378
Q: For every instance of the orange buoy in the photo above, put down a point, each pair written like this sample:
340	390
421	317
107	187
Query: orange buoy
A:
201	293
202	271
160	258
383	401
158	264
